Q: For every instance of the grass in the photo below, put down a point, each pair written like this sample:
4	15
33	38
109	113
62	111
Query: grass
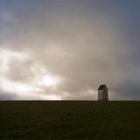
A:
70	120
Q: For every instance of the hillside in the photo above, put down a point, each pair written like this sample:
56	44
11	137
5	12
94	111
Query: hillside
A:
72	120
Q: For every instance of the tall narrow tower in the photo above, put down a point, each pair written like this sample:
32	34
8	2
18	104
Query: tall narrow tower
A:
103	93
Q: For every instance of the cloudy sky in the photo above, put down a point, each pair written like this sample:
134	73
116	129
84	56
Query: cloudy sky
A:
64	49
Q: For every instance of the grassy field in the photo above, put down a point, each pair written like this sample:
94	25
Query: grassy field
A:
70	120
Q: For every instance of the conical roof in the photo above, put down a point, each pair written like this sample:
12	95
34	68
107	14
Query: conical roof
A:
103	86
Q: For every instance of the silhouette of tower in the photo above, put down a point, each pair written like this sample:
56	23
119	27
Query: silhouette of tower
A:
103	93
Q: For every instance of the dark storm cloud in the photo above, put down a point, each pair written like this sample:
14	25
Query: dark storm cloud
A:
84	43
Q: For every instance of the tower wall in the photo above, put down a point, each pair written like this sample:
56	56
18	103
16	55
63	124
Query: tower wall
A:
102	95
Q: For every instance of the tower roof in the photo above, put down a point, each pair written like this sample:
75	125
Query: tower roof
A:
103	86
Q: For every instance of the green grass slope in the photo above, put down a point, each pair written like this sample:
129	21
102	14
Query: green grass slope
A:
70	120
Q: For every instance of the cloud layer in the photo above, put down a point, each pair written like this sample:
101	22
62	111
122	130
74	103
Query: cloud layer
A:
66	49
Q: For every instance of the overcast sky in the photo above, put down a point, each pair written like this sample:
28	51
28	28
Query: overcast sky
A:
64	49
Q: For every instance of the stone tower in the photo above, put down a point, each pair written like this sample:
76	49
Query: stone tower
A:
102	93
